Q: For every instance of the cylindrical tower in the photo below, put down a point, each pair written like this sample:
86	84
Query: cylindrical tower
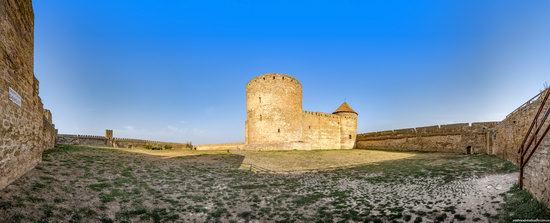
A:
274	109
348	126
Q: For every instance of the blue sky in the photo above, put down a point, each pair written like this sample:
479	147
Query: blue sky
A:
177	70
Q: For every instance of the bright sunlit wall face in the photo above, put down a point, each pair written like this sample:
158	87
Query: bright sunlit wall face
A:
274	109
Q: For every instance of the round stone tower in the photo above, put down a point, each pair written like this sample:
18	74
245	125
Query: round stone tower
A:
348	126
274	109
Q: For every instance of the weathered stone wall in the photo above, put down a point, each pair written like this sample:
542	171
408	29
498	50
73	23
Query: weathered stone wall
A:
456	138
275	120
537	173
348	130
509	136
321	130
26	127
512	130
274	109
83	140
102	141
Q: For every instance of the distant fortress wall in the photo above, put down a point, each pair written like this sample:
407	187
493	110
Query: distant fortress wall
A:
456	138
109	141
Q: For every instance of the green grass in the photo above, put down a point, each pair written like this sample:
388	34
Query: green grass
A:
520	204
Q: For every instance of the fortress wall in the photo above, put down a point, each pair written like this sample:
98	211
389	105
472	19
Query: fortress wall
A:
454	138
26	128
321	130
101	141
139	143
512	130
82	140
509	136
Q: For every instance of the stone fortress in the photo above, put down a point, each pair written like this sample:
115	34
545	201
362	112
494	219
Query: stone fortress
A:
275	119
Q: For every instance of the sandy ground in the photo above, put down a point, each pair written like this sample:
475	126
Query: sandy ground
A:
106	185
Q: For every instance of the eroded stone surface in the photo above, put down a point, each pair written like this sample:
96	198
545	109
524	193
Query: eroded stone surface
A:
26	127
276	120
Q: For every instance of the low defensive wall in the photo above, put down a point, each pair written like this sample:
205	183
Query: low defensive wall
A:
103	141
456	138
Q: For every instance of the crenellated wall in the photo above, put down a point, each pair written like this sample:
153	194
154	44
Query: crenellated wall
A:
321	130
456	138
276	121
83	140
102	141
26	128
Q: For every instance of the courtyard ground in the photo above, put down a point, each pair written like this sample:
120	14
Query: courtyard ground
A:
81	184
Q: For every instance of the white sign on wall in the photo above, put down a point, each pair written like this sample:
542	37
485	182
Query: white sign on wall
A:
15	97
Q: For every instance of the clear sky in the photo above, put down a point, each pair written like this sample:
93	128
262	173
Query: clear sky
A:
176	70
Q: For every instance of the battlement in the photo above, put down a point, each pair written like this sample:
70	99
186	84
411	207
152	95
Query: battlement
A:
329	115
274	76
528	104
103	141
82	136
460	137
322	114
436	130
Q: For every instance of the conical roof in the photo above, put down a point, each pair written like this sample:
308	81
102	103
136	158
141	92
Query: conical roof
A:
344	108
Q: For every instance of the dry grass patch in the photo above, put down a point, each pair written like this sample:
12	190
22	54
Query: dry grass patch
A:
169	153
288	161
77	184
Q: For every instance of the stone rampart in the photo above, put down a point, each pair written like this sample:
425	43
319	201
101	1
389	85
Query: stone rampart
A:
321	130
102	141
509	136
83	140
456	138
26	128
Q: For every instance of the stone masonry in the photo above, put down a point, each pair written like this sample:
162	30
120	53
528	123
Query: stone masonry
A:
456	138
276	120
502	139
509	136
110	141
26	128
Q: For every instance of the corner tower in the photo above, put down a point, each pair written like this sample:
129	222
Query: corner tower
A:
348	126
274	109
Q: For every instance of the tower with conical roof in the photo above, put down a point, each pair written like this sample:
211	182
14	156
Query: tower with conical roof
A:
348	125
275	119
